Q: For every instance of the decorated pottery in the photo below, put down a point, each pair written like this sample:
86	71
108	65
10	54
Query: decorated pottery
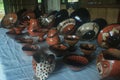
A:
75	62
47	21
43	64
67	26
87	48
52	37
9	20
59	49
33	28
108	63
81	16
109	37
71	39
88	31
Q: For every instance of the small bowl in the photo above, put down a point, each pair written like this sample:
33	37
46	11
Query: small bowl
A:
75	62
87	48
109	37
59	49
71	39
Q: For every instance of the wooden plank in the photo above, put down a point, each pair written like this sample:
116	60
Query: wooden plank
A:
112	15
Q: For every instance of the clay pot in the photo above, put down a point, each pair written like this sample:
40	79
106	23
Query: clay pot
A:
75	62
108	63
87	48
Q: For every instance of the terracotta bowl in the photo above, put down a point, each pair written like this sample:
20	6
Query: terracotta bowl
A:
87	48
75	62
59	49
71	39
109	37
108	63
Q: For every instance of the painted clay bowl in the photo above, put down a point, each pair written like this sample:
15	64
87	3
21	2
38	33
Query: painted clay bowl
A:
34	27
87	48
67	26
71	39
109	37
9	20
88	31
59	49
52	32
108	63
75	62
52	37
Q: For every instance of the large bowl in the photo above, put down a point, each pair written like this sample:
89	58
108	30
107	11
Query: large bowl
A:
88	31
109	37
108	63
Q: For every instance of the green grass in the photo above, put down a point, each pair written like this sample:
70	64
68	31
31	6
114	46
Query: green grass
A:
1	6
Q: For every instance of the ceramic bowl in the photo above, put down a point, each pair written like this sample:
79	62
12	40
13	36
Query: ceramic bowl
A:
75	62
108	62
88	31
67	26
59	49
109	37
87	48
71	39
